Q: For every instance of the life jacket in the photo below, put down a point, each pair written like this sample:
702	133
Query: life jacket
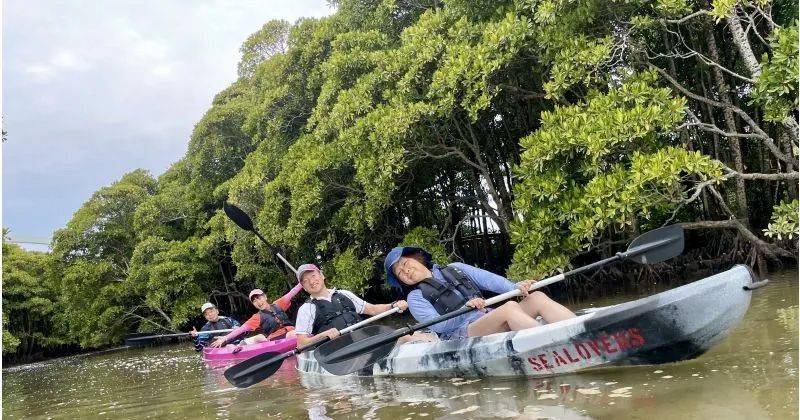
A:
273	318
223	323
338	313
456	290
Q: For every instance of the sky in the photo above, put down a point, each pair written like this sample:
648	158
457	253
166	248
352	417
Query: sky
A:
95	89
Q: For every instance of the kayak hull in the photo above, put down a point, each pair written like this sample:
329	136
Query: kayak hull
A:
249	350
675	325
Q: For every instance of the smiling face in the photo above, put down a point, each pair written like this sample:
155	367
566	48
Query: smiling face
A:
260	302
211	314
410	270
313	282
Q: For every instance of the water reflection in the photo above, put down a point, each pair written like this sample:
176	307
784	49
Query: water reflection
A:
635	393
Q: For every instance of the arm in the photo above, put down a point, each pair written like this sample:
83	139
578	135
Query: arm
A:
249	325
372	309
376	308
201	340
305	339
304	324
285	301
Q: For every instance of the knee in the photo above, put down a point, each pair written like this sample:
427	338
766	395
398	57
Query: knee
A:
539	296
511	306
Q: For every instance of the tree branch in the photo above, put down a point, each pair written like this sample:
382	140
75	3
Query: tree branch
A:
766	139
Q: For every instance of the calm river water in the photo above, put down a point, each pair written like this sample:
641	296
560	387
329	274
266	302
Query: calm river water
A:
750	375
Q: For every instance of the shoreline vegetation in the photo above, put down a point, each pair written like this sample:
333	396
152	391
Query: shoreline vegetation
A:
520	136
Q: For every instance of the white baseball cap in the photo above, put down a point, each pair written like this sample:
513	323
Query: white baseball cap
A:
205	306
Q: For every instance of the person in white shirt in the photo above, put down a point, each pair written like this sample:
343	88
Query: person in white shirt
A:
330	310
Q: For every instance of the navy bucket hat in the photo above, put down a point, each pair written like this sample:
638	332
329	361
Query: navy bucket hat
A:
394	256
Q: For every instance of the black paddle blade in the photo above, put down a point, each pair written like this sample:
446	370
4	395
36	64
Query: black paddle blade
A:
255	369
657	245
357	350
238	216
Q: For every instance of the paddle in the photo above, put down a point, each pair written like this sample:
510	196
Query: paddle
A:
132	339
243	221
343	357
258	368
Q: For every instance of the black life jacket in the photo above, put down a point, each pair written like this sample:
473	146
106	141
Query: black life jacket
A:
338	313
457	289
223	323
273	319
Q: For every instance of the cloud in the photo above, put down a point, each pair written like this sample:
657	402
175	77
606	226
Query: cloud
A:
61	61
96	89
67	60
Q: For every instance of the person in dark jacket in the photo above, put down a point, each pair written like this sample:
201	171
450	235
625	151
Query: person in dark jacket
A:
213	322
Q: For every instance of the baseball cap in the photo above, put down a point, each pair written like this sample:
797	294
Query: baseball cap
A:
256	292
205	306
306	267
394	256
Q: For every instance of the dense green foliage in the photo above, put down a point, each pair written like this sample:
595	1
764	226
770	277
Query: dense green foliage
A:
31	300
546	128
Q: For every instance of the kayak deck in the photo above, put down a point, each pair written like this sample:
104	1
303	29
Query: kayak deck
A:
249	350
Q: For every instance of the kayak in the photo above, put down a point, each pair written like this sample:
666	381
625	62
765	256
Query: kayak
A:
248	350
674	325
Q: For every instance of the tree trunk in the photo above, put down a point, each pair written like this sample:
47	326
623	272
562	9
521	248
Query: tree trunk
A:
787	146
730	124
743	44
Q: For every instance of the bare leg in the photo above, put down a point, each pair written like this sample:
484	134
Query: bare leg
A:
255	339
509	317
538	303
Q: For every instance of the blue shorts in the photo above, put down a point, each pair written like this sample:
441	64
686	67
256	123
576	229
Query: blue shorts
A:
461	332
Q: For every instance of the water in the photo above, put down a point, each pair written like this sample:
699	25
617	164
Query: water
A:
750	375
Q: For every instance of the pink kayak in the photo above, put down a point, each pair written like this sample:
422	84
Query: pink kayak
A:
249	350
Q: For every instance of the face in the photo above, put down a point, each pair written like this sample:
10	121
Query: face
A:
410	271
211	314
312	282
260	302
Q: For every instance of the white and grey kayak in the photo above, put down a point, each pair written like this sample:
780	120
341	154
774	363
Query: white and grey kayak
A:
675	325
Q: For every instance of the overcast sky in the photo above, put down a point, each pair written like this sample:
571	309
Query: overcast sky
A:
95	89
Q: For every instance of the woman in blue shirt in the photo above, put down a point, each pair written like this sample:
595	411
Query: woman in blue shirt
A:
432	290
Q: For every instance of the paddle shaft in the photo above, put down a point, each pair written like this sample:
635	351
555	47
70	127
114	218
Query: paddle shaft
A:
245	222
288	264
619	256
310	346
177	335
